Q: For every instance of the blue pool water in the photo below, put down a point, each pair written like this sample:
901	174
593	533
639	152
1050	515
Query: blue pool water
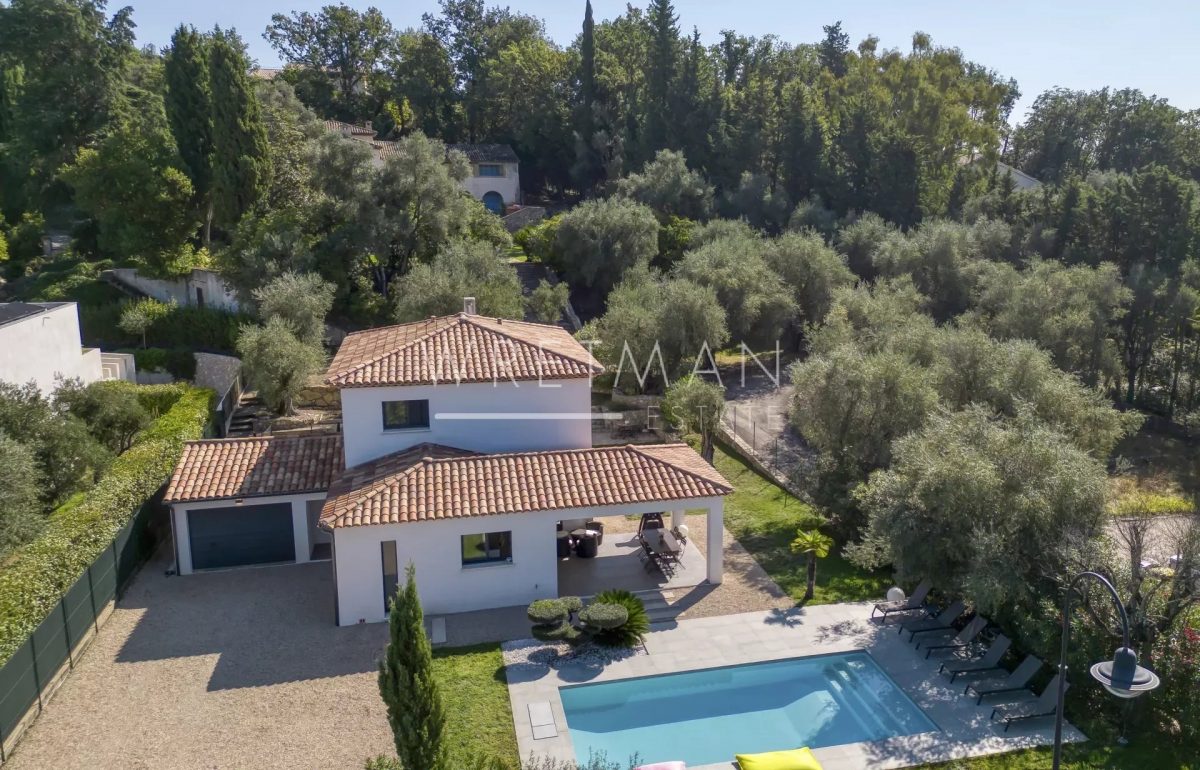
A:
707	716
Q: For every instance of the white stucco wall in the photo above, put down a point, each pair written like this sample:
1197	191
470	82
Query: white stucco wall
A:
509	185
182	291
446	586
300	525
365	439
45	346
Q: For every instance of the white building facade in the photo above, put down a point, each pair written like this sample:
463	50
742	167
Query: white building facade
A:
40	343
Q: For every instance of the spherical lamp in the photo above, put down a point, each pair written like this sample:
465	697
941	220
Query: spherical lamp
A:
896	594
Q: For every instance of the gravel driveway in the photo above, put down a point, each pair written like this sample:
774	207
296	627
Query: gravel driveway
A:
230	669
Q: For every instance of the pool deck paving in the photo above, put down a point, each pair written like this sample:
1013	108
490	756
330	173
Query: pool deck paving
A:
966	729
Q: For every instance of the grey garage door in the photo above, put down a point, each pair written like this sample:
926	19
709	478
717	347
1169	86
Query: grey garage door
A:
241	534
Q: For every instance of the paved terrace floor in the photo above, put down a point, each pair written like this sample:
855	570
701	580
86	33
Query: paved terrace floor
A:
965	729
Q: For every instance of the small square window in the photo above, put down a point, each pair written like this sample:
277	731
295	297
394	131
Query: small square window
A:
491	169
487	548
401	415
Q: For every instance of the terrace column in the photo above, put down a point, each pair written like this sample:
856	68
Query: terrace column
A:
716	546
678	518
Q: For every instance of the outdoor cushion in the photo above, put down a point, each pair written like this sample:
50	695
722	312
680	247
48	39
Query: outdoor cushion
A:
796	759
663	766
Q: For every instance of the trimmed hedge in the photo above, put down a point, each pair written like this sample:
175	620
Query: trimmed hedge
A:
196	328
76	534
179	362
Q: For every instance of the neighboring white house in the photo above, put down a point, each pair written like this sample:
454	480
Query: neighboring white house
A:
40	343
466	440
199	288
1021	180
495	175
495	178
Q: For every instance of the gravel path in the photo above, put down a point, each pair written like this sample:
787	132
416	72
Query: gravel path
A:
239	669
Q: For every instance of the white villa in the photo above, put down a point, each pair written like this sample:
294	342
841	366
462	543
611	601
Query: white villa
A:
465	446
495	178
40	343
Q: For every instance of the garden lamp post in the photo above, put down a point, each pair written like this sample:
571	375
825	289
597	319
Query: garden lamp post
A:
1121	676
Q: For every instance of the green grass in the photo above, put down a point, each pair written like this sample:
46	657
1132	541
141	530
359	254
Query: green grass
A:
1150	751
476	697
764	518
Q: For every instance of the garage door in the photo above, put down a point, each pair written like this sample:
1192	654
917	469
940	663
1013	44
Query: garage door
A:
238	535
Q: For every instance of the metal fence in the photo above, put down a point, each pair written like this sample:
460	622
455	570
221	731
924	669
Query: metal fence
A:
28	679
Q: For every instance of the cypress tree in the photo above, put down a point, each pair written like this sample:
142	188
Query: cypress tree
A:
189	109
588	166
240	162
414	703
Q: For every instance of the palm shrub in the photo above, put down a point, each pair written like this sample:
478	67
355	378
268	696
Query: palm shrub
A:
816	546
409	690
636	625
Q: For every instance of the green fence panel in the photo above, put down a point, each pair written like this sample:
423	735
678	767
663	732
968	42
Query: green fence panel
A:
104	578
18	689
50	645
127	550
79	611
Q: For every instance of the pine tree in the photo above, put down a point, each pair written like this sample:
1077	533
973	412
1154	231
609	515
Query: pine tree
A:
588	164
664	55
239	137
189	109
833	49
414	703
804	146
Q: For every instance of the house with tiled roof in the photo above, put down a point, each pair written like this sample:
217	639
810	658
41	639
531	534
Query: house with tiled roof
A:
465	450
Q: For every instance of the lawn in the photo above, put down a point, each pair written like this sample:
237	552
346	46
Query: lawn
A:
479	718
762	516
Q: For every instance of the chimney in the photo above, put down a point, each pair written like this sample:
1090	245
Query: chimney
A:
469	305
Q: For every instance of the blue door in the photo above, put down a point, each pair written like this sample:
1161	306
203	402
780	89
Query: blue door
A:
494	202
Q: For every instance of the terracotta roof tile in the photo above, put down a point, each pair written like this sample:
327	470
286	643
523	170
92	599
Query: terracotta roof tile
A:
459	348
431	482
254	467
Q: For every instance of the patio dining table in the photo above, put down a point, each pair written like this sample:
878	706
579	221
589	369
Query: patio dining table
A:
664	544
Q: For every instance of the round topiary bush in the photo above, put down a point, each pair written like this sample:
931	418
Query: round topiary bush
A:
599	617
572	604
547	612
637	622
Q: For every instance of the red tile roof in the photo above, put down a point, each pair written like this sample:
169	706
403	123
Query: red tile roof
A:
459	348
255	467
431	482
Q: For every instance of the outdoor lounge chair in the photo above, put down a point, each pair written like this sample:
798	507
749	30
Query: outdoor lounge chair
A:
940	622
989	663
911	604
944	641
1016	681
1045	706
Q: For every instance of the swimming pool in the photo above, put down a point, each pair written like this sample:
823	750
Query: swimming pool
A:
707	716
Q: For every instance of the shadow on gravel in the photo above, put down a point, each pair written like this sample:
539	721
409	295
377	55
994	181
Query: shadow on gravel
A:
267	625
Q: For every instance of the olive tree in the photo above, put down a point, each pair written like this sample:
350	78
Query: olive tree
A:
598	240
982	505
460	269
696	406
302	299
277	362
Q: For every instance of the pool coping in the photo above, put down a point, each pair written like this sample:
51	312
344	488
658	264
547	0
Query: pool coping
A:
758	637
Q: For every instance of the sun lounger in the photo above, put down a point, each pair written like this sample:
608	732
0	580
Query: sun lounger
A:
911	604
988	664
943	620
1045	706
944	641
1017	681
